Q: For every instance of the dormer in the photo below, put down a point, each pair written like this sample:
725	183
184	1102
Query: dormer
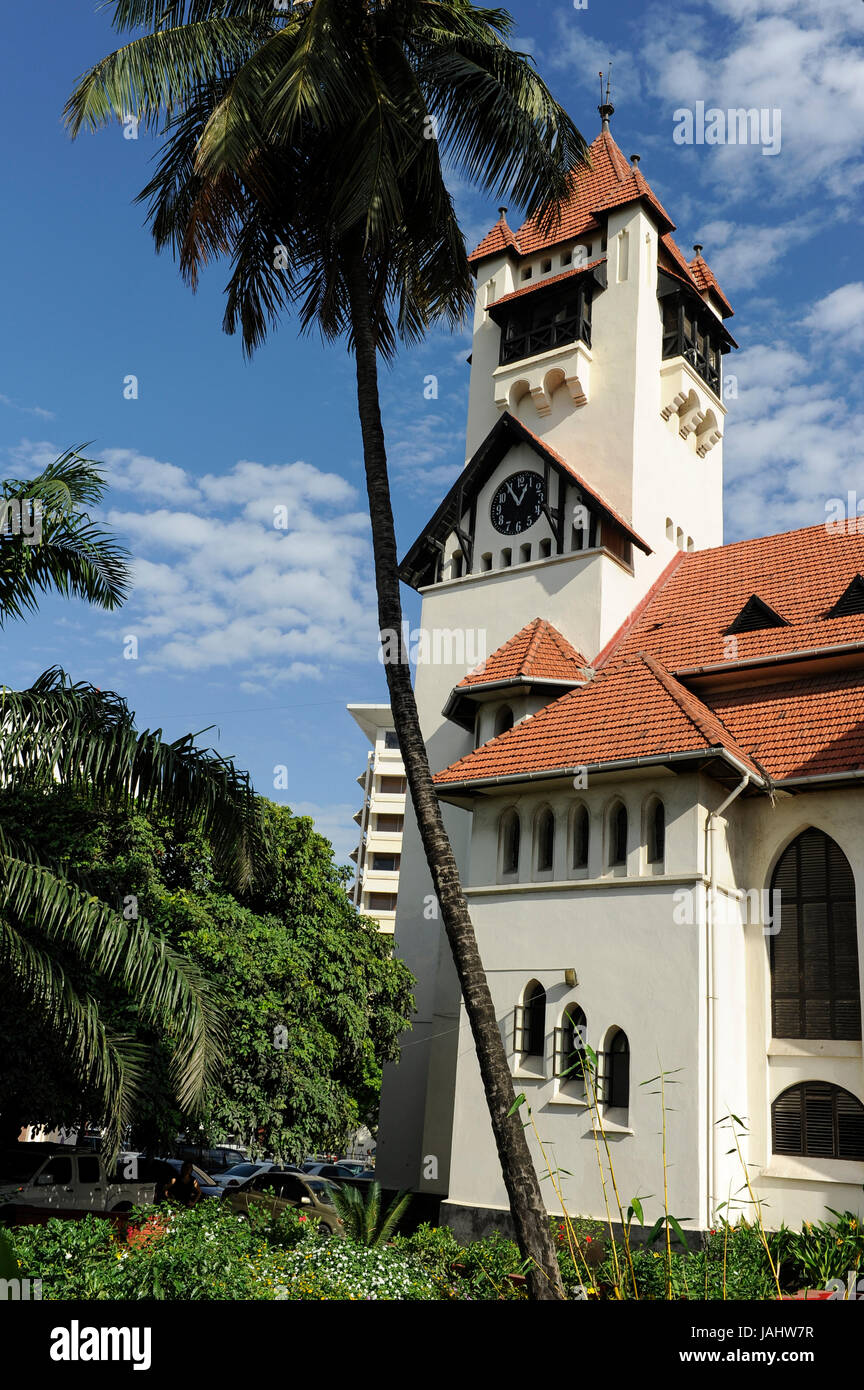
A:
536	666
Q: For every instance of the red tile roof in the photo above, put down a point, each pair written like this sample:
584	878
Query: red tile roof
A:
538	652
499	238
635	709
548	280
800	574
608	181
801	728
705	279
639	705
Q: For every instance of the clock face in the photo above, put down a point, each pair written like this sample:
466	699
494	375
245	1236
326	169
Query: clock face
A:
518	503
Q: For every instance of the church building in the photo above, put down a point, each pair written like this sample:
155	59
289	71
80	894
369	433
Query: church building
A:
653	783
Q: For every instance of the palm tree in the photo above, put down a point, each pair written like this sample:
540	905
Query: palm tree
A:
53	933
363	1220
306	133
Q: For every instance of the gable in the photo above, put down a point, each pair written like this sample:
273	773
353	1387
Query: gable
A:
508	448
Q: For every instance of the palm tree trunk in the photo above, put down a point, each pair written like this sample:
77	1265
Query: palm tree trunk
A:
520	1178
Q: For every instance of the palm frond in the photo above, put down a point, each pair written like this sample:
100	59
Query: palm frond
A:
65	551
170	992
112	1063
153	76
58	731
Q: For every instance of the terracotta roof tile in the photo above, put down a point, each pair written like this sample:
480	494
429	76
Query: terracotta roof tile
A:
538	652
705	279
608	181
800	574
800	728
548	280
499	238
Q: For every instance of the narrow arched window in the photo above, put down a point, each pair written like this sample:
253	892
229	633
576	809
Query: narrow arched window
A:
503	720
656	833
511	835
534	1021
618	835
817	1120
581	837
616	1087
814	953
545	841
570	1046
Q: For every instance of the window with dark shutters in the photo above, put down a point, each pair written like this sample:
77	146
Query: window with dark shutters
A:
817	1120
814	956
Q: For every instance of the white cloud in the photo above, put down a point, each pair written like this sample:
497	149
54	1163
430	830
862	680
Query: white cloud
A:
840	316
218	586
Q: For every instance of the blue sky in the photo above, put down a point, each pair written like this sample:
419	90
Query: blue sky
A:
268	641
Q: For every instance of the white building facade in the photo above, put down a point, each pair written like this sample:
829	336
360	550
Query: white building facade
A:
381	818
652	786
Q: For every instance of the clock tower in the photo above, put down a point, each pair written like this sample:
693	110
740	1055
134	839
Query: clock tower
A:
593	457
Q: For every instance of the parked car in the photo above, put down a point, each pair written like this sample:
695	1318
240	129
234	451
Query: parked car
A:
325	1170
354	1168
279	1189
214	1160
64	1179
239	1172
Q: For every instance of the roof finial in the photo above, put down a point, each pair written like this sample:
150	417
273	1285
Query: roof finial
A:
697	247
606	108
502	212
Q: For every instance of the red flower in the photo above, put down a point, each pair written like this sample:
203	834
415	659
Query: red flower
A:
587	1240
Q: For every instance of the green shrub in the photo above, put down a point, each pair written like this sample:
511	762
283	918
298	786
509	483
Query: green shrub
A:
341	1269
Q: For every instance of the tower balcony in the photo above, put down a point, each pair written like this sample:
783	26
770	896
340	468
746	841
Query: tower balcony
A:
699	410
541	376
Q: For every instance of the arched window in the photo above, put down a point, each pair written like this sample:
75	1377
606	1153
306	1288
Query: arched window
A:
656	832
581	837
814	954
570	1042
531	1021
545	838
503	720
618	835
511	835
616	1074
816	1120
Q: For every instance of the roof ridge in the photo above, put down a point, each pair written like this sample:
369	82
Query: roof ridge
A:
537	636
685	698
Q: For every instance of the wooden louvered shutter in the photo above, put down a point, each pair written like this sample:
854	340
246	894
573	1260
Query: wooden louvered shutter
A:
817	1120
814	956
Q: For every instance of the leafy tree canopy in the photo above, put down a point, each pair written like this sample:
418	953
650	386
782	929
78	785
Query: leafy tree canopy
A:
313	1002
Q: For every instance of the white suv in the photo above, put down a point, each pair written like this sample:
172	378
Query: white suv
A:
71	1180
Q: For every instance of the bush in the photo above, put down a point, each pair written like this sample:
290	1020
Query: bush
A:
340	1269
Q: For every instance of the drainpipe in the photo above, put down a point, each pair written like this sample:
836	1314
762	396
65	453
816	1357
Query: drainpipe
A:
710	984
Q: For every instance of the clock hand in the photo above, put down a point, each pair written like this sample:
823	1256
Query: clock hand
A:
512	493
521	498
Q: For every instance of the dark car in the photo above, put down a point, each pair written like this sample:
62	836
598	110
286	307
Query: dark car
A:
331	1171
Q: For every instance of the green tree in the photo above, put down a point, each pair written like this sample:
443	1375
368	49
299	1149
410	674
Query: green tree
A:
307	145
55	938
311	1001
